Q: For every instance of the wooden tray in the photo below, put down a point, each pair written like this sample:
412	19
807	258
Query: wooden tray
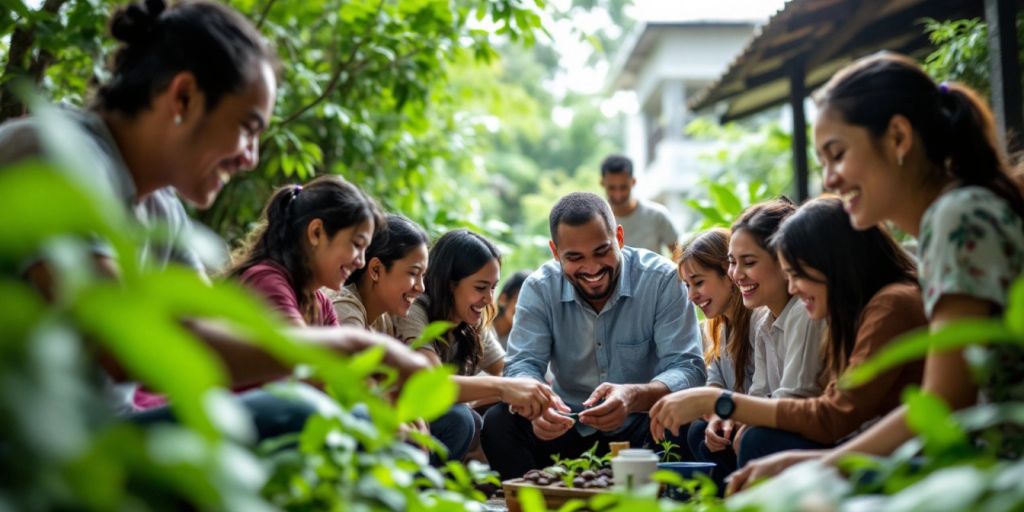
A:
554	496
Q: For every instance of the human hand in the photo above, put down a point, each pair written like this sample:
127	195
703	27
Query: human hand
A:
718	433
418	425
551	423
613	406
767	467
526	396
674	410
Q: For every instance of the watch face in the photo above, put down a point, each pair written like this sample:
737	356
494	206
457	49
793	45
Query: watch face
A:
724	406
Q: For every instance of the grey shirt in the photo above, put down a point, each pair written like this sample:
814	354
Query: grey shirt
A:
787	354
648	227
21	139
412	325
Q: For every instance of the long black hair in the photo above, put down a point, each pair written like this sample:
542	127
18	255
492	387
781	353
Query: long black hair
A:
219	46
956	128
395	240
280	236
455	256
856	265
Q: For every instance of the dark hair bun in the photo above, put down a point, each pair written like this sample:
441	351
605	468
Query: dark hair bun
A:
136	23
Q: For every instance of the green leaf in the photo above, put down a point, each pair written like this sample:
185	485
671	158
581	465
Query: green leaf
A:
930	417
916	345
531	500
1015	308
435	331
154	348
427	394
725	200
23	309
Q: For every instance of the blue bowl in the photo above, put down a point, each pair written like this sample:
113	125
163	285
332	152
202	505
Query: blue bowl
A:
688	469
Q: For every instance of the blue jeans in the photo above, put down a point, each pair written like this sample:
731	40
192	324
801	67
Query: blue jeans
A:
760	442
456	430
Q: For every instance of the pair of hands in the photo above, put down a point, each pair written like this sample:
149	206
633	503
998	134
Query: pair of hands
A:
607	409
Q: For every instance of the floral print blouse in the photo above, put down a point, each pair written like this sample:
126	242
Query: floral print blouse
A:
972	243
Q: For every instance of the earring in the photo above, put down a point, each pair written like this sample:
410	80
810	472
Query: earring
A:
177	119
899	160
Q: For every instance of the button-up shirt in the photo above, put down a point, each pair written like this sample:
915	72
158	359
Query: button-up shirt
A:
647	331
787	354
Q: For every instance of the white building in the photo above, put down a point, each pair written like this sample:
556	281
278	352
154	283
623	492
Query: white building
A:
664	63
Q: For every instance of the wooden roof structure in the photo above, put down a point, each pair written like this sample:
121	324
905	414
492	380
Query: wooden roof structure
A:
807	41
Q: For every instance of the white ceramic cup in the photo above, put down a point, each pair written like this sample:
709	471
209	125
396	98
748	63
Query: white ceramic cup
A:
632	468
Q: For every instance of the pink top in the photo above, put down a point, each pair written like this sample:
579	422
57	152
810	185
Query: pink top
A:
271	281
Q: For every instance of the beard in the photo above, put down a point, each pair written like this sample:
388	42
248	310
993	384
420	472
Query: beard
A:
613	281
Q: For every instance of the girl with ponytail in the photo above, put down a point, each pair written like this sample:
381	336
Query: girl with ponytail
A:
310	237
898	147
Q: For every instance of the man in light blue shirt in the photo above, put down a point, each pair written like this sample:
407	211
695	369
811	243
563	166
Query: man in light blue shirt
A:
617	330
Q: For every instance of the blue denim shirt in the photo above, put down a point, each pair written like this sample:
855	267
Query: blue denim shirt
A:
647	331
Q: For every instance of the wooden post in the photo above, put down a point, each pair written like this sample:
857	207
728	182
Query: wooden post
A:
797	92
1001	16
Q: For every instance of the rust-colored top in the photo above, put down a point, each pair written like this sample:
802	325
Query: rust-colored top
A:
837	413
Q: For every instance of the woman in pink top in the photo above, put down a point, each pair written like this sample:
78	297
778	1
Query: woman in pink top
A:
311	237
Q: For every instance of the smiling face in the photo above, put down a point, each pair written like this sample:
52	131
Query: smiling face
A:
590	259
707	288
810	289
224	141
333	259
398	287
756	274
473	293
855	168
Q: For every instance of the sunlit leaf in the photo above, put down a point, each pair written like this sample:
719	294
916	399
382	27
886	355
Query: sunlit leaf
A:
427	394
931	418
434	331
915	345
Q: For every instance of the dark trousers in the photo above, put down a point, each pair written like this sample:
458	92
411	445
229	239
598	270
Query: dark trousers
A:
760	442
456	430
512	449
725	460
272	415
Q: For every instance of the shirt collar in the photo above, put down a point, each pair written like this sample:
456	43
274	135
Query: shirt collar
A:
786	315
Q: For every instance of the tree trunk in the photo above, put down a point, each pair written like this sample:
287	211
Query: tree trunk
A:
21	64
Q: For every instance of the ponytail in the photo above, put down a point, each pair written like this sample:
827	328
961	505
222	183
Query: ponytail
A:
957	129
280	236
973	148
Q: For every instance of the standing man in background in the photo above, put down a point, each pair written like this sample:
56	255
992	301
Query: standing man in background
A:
646	224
